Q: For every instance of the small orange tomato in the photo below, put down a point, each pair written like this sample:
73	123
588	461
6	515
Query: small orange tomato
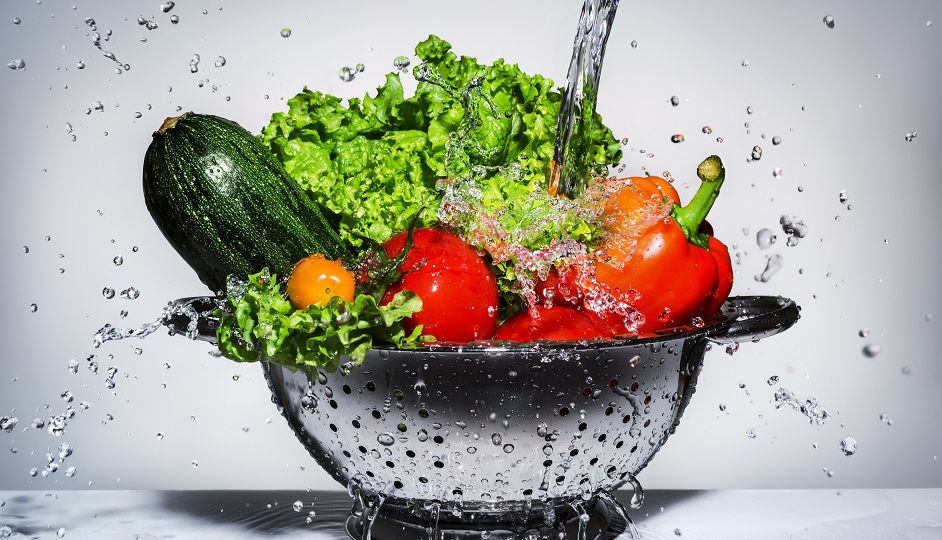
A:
316	279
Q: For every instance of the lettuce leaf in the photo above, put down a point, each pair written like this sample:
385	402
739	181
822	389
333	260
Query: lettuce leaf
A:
374	162
257	323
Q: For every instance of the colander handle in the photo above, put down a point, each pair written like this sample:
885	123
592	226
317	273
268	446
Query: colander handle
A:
757	317
179	315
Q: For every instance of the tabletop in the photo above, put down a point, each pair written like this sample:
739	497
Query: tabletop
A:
910	514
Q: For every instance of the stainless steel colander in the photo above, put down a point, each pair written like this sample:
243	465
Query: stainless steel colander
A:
490	430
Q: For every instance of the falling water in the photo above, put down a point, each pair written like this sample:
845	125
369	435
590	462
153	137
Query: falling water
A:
577	108
631	532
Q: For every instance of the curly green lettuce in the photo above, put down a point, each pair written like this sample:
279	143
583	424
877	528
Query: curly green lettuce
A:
374	162
257	322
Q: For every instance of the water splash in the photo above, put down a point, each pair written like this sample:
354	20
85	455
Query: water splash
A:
816	414
193	317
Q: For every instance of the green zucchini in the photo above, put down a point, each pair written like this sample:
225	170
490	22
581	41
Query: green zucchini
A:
226	204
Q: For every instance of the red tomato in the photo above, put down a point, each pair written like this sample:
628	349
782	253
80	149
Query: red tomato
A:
557	323
457	287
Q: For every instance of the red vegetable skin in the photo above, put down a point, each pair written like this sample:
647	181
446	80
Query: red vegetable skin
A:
557	323
457	288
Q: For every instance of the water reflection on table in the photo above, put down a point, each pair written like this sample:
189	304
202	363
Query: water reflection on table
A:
739	514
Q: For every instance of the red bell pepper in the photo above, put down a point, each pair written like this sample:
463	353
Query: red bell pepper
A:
660	266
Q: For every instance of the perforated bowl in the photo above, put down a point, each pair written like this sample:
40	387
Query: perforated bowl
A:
489	431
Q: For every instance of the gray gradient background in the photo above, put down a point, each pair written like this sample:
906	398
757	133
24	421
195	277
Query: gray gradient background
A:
841	99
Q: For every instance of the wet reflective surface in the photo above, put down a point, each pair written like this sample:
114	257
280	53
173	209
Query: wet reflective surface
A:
701	515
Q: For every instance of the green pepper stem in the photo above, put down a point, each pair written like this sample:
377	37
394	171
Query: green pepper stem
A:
690	217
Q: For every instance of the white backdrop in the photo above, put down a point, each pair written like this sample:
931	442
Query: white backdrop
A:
841	99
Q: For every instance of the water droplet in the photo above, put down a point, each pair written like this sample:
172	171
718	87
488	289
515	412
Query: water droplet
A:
722	407
107	292
776	140
297	506
829	21
17	20
508	448
174	19
773	380
195	63
848	446
871	350
347	74
130	293
772	265
33	308
748	111
16	64
118	260
677	138
401	63
65	450
765	238
794	227
905	370
360	68
385	439
751	433
7	423
160	436
286	32
756	153
745	62
221	61
634	44
777	172
707	130
496	439
910	136
61	532
675	101
195	464
167	7
149	24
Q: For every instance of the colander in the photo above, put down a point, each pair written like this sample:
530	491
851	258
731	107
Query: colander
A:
494	431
